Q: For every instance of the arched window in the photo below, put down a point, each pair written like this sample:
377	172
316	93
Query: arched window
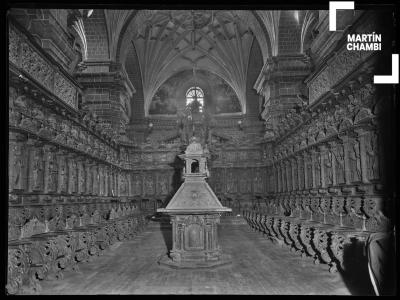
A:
195	94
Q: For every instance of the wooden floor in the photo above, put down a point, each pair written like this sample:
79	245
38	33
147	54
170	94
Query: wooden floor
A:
259	267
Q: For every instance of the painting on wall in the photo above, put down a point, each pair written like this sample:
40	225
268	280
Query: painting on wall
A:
225	99
219	97
162	103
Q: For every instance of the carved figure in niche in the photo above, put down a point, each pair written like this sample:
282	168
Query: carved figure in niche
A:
258	182
52	172
63	178
164	186
149	185
301	174
18	166
89	182
318	181
309	172
283	177
73	176
230	183
137	185
123	185
81	183
371	145
328	168
288	170
355	161
95	178
339	163
36	170
243	183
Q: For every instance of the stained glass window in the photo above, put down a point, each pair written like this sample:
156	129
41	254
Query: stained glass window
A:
195	93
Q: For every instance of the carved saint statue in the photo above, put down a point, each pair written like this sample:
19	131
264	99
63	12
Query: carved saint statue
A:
309	173
355	162
371	145
284	177
339	163
328	168
230	183
137	185
318	170
164	186
36	170
18	166
81	176
63	178
294	166
89	182
73	176
123	185
52	173
301	174
149	185
288	170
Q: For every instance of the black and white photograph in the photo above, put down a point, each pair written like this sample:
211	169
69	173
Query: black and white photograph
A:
201	149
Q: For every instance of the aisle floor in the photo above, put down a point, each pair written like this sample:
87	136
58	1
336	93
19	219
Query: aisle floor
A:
259	267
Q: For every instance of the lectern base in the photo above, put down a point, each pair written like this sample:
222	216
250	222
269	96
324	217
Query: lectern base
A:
224	260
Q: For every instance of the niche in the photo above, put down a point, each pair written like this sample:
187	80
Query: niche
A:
194	167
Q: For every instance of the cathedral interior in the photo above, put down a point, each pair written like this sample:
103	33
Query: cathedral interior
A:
299	145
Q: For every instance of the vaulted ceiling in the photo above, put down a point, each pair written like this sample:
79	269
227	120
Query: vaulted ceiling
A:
169	41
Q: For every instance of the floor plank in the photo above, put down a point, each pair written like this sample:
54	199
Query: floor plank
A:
259	267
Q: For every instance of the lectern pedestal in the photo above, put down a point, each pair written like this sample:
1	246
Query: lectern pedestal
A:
195	213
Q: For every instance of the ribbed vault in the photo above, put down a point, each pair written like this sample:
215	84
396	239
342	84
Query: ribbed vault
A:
168	42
